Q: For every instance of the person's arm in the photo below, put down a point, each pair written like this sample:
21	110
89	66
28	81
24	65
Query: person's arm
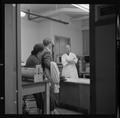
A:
64	62
47	59
73	59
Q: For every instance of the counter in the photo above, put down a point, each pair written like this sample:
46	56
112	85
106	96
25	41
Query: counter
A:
79	81
75	94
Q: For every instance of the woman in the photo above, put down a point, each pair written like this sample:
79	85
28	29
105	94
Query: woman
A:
35	57
33	60
69	60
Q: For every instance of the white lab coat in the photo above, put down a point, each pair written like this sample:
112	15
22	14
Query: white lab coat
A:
69	69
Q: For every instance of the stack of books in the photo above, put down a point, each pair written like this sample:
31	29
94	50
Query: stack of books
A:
30	106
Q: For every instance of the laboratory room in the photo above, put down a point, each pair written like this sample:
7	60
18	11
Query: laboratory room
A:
55	66
60	59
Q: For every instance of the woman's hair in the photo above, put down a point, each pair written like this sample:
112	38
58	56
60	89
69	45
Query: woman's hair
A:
46	42
37	48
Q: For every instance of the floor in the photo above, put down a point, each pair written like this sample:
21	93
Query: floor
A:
59	111
66	111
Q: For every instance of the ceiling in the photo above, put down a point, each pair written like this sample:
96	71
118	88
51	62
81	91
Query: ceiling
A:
51	10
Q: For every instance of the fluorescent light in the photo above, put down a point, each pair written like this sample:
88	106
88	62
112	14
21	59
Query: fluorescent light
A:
22	14
84	7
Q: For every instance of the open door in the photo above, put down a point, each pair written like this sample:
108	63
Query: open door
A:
103	57
12	59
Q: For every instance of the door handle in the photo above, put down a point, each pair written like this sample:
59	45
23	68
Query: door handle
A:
1	64
1	98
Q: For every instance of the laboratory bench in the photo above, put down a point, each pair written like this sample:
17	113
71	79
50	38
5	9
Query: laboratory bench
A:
81	74
75	94
29	87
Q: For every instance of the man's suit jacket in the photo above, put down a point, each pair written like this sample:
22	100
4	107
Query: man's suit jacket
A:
46	63
46	59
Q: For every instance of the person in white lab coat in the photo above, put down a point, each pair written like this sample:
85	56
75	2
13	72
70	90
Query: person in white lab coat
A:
69	60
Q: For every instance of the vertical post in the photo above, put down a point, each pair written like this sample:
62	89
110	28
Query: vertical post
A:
2	70
18	59
10	59
92	61
47	99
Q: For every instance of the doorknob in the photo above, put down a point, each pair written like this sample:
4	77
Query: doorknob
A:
1	98
1	64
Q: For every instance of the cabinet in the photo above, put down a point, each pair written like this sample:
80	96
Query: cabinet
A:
75	95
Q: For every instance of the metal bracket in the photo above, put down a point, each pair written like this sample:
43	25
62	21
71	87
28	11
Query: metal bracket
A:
29	18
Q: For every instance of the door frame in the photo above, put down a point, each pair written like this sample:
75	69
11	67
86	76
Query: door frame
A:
18	45
18	61
15	36
92	60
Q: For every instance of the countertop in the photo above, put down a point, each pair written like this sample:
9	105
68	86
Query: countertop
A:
79	81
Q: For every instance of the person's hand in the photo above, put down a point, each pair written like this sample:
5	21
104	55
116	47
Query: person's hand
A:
70	61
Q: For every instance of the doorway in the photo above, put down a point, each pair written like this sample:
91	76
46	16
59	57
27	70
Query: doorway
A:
35	29
59	47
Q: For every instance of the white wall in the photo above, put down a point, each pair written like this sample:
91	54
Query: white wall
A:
85	24
32	33
72	31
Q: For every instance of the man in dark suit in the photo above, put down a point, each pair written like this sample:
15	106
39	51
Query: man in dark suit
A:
46	59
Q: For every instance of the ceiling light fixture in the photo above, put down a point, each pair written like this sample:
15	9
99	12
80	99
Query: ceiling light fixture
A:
84	7
22	14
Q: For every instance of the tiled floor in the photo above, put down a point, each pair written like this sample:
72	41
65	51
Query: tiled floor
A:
66	111
58	111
